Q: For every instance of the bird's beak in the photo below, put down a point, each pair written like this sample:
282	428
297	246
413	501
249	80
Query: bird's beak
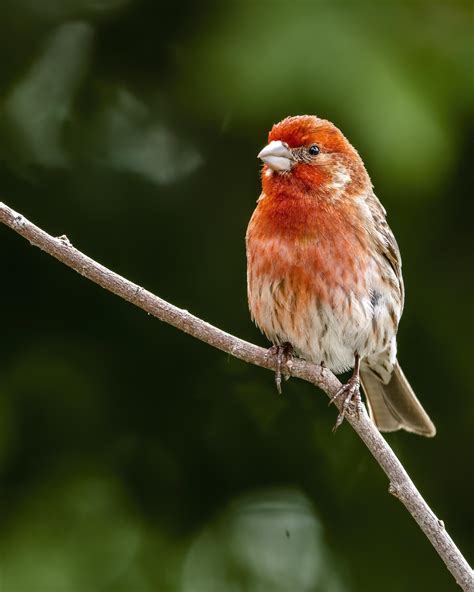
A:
277	156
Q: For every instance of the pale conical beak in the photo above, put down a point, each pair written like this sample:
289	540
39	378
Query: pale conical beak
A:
277	156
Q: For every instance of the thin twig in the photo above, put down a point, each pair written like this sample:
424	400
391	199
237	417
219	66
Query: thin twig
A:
401	486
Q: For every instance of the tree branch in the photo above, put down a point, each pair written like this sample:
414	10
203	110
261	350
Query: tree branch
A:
401	486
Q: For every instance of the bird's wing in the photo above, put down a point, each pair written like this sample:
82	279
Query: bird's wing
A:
386	243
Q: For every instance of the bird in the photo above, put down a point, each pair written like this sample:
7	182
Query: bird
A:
324	271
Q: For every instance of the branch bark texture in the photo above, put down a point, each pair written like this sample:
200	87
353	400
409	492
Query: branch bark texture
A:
401	486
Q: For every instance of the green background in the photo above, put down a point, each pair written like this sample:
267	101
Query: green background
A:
134	458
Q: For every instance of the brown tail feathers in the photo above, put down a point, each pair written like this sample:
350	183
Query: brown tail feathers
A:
394	406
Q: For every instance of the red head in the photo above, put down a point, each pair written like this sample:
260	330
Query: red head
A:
313	154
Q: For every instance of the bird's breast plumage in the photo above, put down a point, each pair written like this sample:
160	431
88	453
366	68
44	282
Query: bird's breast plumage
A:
311	279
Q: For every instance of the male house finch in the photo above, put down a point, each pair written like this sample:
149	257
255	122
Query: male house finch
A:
324	269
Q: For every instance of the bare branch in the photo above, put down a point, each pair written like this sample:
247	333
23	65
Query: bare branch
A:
401	486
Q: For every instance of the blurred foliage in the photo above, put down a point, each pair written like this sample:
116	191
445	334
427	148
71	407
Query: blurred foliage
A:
133	457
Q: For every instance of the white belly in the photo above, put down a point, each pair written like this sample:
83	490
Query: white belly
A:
326	333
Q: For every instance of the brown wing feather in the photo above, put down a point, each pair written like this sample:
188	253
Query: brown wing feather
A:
386	243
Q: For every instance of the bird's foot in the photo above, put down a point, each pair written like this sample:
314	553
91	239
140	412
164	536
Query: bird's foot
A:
284	362
351	400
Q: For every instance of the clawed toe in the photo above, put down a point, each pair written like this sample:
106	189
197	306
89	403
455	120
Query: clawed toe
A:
351	400
283	354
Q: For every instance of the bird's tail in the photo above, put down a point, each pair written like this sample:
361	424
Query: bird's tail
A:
394	406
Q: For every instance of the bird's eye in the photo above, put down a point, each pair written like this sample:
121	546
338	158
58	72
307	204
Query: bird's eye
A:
314	150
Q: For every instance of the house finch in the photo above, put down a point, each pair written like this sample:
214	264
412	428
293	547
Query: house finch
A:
324	269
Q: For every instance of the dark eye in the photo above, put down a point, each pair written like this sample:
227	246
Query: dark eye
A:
313	150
